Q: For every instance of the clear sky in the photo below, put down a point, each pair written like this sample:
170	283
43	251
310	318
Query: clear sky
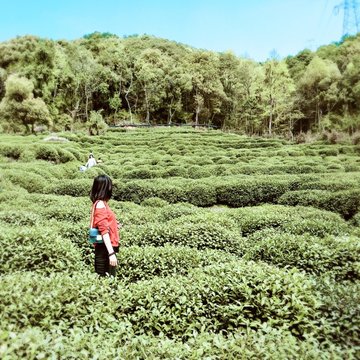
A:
252	28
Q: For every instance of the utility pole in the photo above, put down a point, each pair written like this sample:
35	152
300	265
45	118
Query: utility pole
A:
351	21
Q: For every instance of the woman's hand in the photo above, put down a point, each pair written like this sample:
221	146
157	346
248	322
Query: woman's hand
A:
119	225
113	260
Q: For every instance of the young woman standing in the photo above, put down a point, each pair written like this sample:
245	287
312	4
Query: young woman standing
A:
104	219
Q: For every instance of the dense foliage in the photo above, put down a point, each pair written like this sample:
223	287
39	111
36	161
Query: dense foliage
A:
103	80
231	247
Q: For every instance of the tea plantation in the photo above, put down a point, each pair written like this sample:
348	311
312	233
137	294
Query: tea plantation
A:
231	248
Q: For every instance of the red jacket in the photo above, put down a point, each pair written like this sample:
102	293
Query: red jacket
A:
105	221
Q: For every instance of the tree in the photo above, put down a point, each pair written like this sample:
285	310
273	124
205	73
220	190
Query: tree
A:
2	82
277	93
318	88
208	91
19	107
150	80
96	123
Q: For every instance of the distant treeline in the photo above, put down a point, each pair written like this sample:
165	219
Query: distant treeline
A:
103	79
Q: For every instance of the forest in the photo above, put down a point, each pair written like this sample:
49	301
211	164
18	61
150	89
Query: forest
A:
105	80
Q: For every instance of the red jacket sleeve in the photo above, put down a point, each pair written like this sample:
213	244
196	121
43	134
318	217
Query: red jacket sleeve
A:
101	220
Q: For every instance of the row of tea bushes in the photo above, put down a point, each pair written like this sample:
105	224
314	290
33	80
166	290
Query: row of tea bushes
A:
183	224
267	344
231	191
167	308
346	202
145	262
228	297
199	236
58	153
37	249
335	256
247	220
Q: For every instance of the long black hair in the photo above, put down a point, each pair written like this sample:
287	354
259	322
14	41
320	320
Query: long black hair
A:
101	189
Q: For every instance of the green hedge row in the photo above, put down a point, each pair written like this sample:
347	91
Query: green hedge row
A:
267	344
37	249
337	256
48	152
141	263
298	220
346	202
219	298
339	312
199	235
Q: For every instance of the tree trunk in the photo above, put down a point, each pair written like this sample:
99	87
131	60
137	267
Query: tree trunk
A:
197	116
271	115
170	113
127	92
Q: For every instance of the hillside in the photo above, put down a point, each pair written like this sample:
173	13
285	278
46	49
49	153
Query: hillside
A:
103	80
231	247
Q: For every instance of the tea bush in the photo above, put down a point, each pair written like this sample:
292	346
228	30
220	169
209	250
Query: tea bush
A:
238	193
19	217
46	152
11	151
267	344
140	263
75	187
346	202
154	202
198	235
27	180
298	220
338	256
338	315
36	249
356	219
229	297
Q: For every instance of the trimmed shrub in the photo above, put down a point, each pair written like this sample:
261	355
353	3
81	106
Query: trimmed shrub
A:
27	180
177	210
338	315
67	210
173	171
201	194
356	220
238	193
75	187
298	220
19	217
339	256
154	202
46	152
267	344
65	155
229	297
199	235
141	263
346	203
36	249
11	150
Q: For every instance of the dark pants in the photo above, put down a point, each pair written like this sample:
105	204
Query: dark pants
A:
102	265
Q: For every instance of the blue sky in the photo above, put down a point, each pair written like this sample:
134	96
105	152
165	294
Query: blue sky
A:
252	28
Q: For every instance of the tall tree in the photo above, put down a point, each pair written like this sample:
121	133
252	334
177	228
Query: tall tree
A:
277	94
19	107
208	91
150	80
318	89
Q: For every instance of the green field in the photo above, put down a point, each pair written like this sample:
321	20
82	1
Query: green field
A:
231	248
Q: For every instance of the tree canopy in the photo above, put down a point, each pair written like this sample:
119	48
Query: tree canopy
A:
141	78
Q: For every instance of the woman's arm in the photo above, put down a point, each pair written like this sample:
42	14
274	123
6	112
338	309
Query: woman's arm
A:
112	258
